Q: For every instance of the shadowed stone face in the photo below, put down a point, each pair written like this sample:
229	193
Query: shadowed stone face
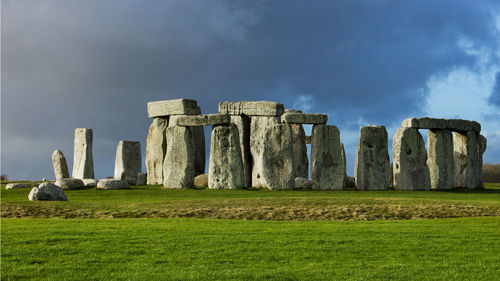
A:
372	166
466	160
327	165
156	148
410	171
243	124
128	160
440	159
83	163
178	166
252	108
300	161
60	165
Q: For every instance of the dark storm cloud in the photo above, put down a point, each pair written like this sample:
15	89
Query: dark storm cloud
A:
68	64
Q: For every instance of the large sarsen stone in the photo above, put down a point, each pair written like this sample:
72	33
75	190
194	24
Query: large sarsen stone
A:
440	159
128	161
83	163
327	165
178	166
156	148
60	165
47	191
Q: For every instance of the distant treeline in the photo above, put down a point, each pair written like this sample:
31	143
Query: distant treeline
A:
491	173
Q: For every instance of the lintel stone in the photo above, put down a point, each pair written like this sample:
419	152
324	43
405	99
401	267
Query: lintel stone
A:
252	108
457	125
304	118
203	120
172	107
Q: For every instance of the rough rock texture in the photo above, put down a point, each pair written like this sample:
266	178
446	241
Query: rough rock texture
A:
156	148
272	152
440	159
128	161
443	124
47	191
83	163
481	149
327	166
112	184
89	183
308	139
60	165
178	167
17	185
410	171
141	178
252	108
466	160
304	183
203	120
172	107
70	184
303	118
243	124
225	170
372	165
201	180
300	161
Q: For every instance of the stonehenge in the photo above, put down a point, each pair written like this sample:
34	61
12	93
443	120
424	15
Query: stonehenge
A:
83	163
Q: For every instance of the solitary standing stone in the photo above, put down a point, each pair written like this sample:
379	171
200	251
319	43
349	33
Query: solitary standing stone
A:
128	161
243	124
466	160
440	159
156	148
272	151
178	166
327	165
410	171
372	166
83	164
226	165
60	165
300	161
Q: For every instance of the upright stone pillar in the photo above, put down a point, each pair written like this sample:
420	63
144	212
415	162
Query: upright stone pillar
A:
440	159
243	124
410	171
226	165
128	161
60	165
83	163
481	150
327	165
178	166
372	166
199	148
300	161
272	152
156	148
466	160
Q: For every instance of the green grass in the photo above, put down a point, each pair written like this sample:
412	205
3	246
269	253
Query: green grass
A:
204	249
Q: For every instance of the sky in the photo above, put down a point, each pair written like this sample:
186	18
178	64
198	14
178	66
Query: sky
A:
96	64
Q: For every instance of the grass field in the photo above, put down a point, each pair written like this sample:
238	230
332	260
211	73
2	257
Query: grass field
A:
252	235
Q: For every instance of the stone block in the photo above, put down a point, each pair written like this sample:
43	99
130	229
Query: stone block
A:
112	184
203	120
70	184
442	124
304	183
466	160
172	107
303	118
60	165
83	163
440	159
201	180
128	161
327	165
156	148
17	185
178	166
47	192
252	108
243	124
300	161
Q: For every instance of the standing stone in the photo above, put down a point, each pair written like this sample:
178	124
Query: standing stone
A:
197	141
440	159
83	164
178	166
410	171
60	165
156	148
327	165
372	166
300	161
128	161
226	165
481	149
466	160
141	178
243	124
272	152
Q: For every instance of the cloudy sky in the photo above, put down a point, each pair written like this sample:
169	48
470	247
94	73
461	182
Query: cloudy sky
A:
95	64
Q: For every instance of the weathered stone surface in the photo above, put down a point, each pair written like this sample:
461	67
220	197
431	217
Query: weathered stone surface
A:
203	120
327	166
89	183
272	152
48	192
300	161
83	163
252	108
141	178
292	110
156	148
128	161
440	159
172	107
304	118
243	124
17	185
372	165
197	142
201	180
178	167
466	161
443	124
410	171
70	184
226	165
481	149
112	184
60	165
308	139
304	183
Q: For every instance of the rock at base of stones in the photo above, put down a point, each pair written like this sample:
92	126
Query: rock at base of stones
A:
47	192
